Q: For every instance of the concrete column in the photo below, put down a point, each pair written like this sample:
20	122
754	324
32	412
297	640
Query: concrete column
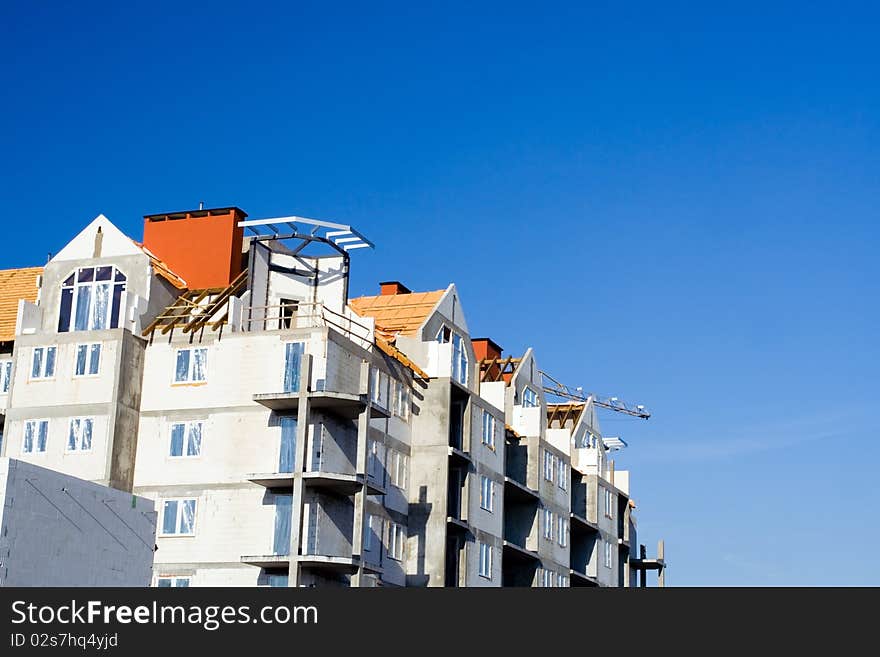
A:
360	498
302	424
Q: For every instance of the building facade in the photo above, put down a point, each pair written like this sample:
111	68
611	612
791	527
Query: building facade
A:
292	436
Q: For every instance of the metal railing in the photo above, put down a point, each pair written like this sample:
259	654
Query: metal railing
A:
304	314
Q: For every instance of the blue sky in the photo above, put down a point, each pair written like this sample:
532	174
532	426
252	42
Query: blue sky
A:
674	204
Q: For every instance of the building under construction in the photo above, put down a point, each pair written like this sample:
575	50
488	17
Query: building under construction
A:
293	436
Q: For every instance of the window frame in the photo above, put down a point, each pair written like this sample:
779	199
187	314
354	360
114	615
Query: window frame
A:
460	359
186	424
117	279
43	360
486	560
490	440
82	420
562	474
609	503
38	422
396	541
549	467
402	400
88	346
530	398
562	530
397	468
548	524
5	376
487	493
175	581
190	367
179	516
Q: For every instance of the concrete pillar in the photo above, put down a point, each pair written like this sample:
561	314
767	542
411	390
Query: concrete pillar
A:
360	498
302	424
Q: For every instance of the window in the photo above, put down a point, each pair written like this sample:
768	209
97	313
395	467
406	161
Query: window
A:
186	439
379	382
92	298
443	335
179	517
283	517
608	551
609	503
488	429
561	581
529	398
374	462
368	534
5	376
88	359
287	309
373	537
79	438
402	400
487	493
36	435
43	365
293	353
459	360
562	531
562	475
191	365
548	524
172	582
547	578
485	560
287	452
397	468
548	465
396	539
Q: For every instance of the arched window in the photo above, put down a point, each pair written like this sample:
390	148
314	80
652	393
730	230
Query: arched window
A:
91	299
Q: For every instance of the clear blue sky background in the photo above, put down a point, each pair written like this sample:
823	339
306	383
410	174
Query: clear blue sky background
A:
671	202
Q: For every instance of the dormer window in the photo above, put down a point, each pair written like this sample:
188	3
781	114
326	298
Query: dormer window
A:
459	360
91	299
444	334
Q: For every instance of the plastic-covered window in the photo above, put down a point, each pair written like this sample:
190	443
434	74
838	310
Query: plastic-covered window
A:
91	299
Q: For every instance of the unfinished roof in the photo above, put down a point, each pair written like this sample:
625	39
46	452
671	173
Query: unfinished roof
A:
15	284
563	413
397	314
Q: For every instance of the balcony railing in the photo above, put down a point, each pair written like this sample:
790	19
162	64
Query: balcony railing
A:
304	314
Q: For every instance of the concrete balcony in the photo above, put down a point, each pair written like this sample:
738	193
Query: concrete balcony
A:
343	404
341	484
581	525
582	579
515	491
268	561
336	564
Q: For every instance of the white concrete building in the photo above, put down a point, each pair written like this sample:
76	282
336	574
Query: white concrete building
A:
289	435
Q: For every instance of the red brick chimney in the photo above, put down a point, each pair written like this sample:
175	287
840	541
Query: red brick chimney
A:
393	287
488	349
202	246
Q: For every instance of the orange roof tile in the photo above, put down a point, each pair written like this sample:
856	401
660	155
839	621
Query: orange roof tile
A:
15	284
397	314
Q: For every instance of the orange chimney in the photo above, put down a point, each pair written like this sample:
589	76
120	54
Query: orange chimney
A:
393	287
202	246
488	349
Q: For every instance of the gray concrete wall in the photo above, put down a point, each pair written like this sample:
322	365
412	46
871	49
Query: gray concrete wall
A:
56	530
